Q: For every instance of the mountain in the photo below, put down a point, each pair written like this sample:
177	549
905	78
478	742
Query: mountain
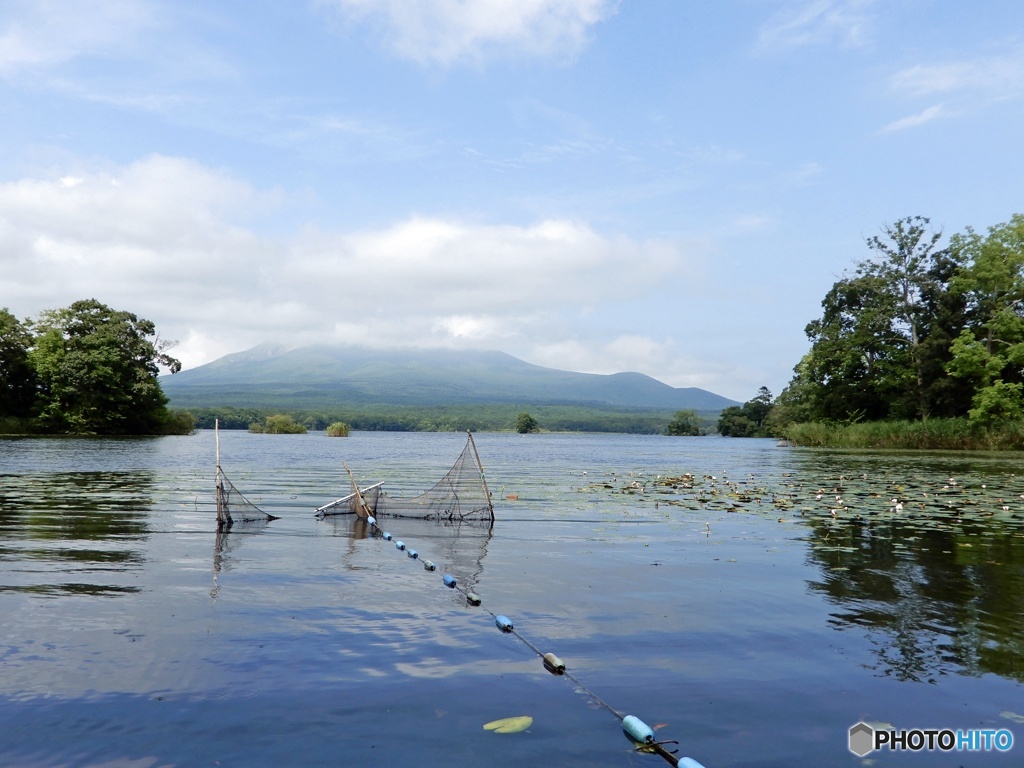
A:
320	376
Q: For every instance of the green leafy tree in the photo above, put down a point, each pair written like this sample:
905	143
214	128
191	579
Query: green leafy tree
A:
758	407
684	423
990	355
999	401
732	422
97	371
904	260
881	346
796	403
17	377
750	419
525	423
857	360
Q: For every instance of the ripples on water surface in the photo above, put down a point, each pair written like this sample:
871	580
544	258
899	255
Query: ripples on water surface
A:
750	601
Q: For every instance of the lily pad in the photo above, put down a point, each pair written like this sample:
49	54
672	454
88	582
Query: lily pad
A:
509	724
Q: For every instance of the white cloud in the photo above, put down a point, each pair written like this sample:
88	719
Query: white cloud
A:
995	77
37	34
912	121
161	238
663	358
819	22
446	31
152	238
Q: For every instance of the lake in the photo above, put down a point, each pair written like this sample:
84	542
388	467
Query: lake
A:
749	601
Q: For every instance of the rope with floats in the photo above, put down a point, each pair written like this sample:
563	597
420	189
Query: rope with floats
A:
641	734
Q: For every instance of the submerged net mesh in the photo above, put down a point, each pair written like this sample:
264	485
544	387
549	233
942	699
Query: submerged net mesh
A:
233	507
461	495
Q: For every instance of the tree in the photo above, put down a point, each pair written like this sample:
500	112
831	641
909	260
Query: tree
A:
17	377
732	422
748	420
904	263
880	347
758	407
990	355
856	358
684	424
525	423
795	404
97	371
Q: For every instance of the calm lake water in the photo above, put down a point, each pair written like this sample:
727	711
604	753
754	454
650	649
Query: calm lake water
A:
750	601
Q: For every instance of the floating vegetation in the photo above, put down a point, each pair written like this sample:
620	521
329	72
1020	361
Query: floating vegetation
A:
924	553
509	724
920	498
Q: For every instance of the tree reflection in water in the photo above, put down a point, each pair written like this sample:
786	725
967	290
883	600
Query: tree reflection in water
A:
938	592
85	525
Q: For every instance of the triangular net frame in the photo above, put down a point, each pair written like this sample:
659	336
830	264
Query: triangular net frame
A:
461	495
233	507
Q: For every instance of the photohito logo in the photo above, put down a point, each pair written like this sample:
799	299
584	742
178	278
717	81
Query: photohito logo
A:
865	739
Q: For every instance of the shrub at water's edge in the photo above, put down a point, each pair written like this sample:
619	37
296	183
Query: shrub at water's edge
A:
338	429
278	424
934	434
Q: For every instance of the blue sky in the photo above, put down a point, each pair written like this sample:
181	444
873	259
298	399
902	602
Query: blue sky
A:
659	186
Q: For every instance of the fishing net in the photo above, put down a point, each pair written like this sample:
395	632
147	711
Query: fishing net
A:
233	507
460	496
349	505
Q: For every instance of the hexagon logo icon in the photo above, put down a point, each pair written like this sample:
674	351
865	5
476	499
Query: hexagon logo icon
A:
862	739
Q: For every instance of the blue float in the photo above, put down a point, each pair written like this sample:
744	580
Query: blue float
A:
386	535
400	545
503	623
413	554
449	580
637	729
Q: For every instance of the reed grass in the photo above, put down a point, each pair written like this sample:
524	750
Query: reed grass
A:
934	434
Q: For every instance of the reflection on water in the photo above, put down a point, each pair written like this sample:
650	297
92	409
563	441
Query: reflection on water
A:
929	560
722	590
227	540
924	552
59	525
934	600
454	547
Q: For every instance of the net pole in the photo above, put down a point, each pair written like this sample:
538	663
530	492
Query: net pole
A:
218	486
483	478
361	508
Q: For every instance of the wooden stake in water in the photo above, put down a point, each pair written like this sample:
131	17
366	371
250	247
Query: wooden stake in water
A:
222	514
361	509
483	479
